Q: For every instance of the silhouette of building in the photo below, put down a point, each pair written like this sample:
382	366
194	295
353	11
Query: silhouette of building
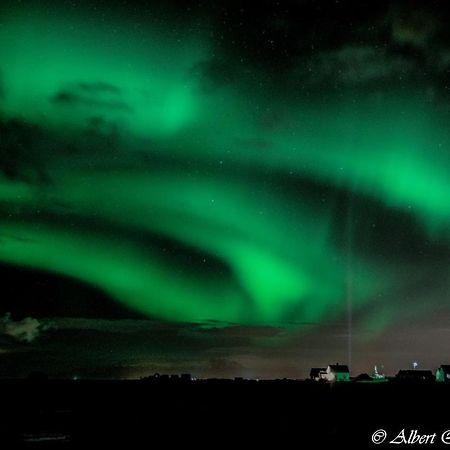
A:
415	375
363	378
317	373
443	373
337	372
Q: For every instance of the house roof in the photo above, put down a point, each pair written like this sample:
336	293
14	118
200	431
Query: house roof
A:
339	368
445	367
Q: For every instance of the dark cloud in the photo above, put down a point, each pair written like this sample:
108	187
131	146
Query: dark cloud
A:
355	66
137	348
94	95
163	347
73	98
303	46
415	27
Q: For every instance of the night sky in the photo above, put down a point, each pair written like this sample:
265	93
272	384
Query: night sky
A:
223	188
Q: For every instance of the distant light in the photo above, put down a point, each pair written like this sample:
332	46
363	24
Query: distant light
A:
415	364
74	378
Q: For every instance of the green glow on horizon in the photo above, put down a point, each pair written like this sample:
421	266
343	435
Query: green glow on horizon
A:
277	248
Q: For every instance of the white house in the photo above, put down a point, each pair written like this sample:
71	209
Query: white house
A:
337	372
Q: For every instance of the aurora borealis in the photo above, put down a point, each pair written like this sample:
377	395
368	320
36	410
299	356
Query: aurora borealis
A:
171	161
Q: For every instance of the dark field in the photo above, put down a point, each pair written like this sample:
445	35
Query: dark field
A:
150	414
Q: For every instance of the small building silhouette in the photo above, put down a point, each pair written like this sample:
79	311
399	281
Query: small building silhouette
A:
317	373
363	378
415	375
443	373
337	372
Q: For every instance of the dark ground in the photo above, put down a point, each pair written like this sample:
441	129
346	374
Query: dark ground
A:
210	414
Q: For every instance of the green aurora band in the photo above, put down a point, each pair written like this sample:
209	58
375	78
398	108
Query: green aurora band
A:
190	165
